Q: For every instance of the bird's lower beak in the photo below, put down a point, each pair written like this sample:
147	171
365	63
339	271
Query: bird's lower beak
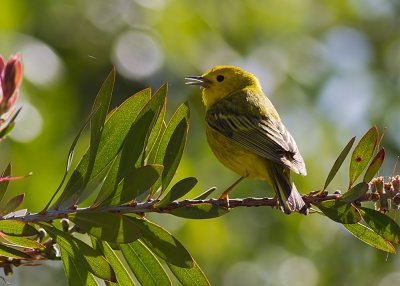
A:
197	80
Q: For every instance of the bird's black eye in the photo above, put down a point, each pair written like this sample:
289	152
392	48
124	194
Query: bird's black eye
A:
220	78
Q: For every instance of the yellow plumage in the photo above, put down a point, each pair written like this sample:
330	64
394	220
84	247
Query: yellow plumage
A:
246	133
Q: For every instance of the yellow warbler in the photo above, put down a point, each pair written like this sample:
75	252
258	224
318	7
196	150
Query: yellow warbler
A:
247	135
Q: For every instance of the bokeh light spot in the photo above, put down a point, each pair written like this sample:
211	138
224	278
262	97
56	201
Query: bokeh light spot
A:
41	64
390	279
347	49
28	124
137	55
295	267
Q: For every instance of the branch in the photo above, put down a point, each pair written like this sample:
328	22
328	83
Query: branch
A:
378	191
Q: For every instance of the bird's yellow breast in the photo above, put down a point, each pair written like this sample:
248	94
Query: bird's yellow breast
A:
238	159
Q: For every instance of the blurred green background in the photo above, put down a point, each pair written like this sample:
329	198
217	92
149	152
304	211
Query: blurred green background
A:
332	69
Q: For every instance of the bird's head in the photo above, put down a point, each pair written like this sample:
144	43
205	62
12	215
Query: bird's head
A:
221	81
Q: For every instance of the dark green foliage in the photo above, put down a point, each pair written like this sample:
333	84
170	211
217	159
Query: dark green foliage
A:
119	166
370	226
339	161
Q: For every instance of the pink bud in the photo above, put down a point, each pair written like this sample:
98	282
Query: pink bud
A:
10	78
2	64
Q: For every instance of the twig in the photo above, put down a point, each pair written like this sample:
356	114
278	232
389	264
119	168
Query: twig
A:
378	191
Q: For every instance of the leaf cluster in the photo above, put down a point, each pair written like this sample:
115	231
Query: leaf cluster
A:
132	158
371	226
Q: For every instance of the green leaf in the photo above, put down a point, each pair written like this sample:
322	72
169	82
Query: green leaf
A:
12	253
381	224
338	163
375	165
340	211
163	244
189	276
121	273
369	237
135	183
116	127
132	154
151	157
17	228
22	241
144	264
100	109
10	125
362	154
76	274
171	145
12	204
180	189
81	253
204	195
4	183
69	160
158	126
199	211
96	119
6	130
355	192
110	227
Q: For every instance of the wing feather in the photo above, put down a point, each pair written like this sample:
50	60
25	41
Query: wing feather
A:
265	136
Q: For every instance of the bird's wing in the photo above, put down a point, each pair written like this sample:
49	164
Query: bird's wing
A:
265	136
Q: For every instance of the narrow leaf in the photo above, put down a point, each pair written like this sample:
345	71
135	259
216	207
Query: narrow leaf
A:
362	154
338	163
10	125
355	192
189	276
369	237
17	228
4	183
144	264
132	154
151	157
116	127
199	211
136	183
69	160
158	125
12	204
381	224
375	165
121	273
107	226
81	253
204	195
100	109
340	211
12	253
180	189
76	274
171	145
22	241
163	244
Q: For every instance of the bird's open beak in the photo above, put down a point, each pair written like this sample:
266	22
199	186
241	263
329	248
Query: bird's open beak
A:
197	80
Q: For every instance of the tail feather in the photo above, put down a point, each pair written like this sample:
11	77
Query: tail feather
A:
289	198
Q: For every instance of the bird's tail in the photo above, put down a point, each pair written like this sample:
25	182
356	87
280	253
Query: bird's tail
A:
289	198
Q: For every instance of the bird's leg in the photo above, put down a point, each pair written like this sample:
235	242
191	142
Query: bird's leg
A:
225	196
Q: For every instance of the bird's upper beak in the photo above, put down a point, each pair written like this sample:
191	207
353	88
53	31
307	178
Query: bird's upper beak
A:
197	80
